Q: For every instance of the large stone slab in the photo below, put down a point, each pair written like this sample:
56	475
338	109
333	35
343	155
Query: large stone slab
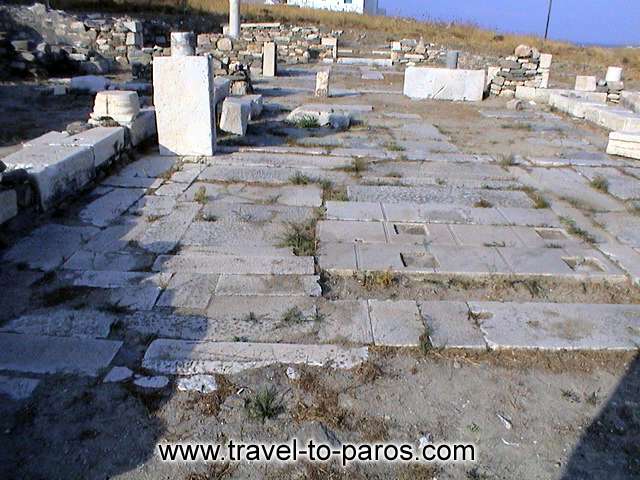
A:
624	226
269	285
624	144
556	326
395	323
190	357
104	142
189	291
109	207
163	235
44	354
47	247
235	265
450	325
444	84
57	171
63	323
184	100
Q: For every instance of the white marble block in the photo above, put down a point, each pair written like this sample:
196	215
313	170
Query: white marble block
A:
444	84
624	144
614	74
323	78
184	100
269	60
120	105
586	83
235	115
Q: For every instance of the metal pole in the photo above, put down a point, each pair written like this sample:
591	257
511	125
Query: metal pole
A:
546	30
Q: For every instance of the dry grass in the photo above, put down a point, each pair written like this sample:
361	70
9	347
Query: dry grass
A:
456	35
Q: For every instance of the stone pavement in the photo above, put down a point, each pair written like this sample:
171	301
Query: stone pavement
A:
214	264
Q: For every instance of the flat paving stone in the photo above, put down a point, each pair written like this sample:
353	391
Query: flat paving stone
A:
17	388
114	261
338	257
109	207
395	323
450	325
269	285
556	326
542	217
351	232
619	185
63	323
49	246
164	234
297	160
436	194
179	357
152	166
468	260
45	354
238	233
344	320
189	291
300	196
154	206
256	214
121	181
117	237
624	226
360	211
171	189
235	265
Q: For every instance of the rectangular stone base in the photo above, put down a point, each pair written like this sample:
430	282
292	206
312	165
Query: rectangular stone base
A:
624	144
184	101
444	84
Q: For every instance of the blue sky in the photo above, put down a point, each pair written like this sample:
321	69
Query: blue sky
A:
607	22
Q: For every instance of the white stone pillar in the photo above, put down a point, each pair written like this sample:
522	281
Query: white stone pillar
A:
182	44
234	18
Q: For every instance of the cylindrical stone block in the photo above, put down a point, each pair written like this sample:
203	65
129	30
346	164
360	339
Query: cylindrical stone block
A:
183	44
452	59
614	74
234	18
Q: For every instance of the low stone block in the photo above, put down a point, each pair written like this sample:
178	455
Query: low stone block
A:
323	114
58	171
236	112
444	84
104	142
120	105
143	126
189	357
624	144
322	83
184	101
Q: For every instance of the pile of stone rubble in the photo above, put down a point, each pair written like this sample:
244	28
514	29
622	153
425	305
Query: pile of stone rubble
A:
526	67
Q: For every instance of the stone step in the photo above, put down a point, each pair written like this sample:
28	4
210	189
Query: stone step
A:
45	354
438	194
234	265
181	357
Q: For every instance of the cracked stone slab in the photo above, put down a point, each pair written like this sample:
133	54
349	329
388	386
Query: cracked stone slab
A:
44	354
468	260
171	189
49	246
269	175
63	323
619	185
154	206
269	285
450	326
115	261
337	257
164	234
257	214
395	323
233	233
282	160
188	290
235	264
555	326
152	166
624	226
17	388
293	195
351	232
131	182
437	194
106	209
179	357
